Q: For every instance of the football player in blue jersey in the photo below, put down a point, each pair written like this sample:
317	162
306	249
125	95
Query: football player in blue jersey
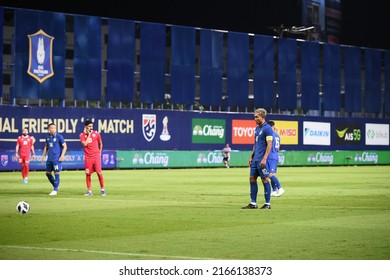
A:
55	149
258	162
273	159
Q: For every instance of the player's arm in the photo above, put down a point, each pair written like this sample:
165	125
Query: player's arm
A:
100	144
44	152
64	148
252	155
85	141
267	151
17	148
32	148
33	139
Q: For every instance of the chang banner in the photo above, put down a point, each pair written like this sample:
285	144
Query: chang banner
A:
208	131
179	159
328	158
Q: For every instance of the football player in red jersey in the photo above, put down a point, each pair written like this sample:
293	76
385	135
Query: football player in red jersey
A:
23	150
93	146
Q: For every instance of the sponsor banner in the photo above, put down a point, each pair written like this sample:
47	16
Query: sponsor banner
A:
316	133
192	159
288	132
243	131
318	158
129	129
73	160
348	133
208	131
377	134
170	159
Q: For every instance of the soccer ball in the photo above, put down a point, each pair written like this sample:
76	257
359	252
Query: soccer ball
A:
23	207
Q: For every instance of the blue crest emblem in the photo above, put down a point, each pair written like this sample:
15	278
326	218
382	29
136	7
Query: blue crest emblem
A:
4	160
149	126
106	159
40	63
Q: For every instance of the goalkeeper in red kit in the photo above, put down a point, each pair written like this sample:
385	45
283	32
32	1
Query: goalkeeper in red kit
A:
93	146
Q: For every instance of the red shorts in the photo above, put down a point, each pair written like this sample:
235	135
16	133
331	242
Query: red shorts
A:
92	165
24	159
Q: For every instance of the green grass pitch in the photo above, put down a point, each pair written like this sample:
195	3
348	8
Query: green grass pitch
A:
326	213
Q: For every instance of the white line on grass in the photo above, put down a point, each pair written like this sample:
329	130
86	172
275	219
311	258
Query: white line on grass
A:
103	252
96	198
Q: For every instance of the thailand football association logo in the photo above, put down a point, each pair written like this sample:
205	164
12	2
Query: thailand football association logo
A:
40	64
149	126
106	159
4	160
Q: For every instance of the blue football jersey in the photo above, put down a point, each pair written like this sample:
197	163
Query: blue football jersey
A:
261	134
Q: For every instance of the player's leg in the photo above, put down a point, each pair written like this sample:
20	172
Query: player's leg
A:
98	170
274	179
49	170
88	164
50	177
21	162
273	164
273	185
26	169
57	170
275	182
254	188
264	174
